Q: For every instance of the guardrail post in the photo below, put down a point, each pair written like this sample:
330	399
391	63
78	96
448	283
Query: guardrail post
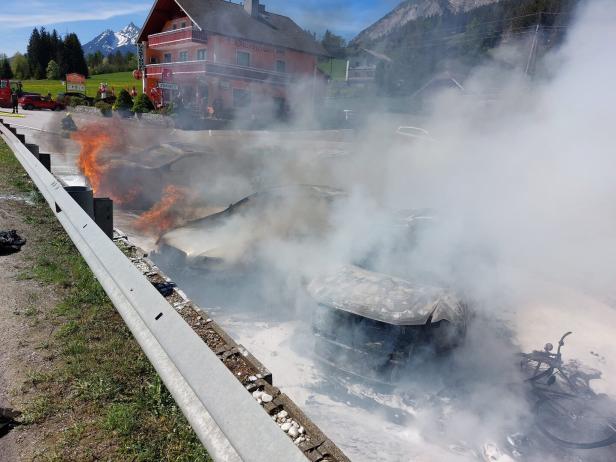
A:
83	196
103	215
45	159
33	148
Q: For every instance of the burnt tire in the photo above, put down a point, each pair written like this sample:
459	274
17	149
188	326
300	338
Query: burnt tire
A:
576	423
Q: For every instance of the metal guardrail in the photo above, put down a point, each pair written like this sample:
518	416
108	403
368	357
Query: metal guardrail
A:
227	420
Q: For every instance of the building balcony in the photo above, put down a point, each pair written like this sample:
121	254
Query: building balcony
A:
186	34
187	70
361	74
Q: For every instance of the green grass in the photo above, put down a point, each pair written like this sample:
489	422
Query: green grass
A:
335	68
98	389
117	80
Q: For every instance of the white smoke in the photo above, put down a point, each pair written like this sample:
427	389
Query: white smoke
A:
521	184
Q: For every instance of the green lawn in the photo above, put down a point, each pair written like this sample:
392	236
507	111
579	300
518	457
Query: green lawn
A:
117	80
335	68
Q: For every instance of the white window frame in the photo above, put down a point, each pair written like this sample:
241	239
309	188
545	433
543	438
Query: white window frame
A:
180	60
199	52
237	54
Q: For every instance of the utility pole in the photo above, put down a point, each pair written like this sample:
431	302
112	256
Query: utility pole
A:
533	48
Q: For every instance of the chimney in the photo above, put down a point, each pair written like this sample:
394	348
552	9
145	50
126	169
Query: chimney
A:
252	7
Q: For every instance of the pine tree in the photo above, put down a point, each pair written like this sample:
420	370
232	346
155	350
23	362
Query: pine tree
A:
5	68
56	46
334	44
34	51
72	57
45	52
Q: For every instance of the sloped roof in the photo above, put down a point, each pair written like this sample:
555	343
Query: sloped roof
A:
380	56
230	19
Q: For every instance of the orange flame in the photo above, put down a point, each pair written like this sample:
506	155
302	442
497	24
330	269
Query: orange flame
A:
92	139
97	165
165	214
105	179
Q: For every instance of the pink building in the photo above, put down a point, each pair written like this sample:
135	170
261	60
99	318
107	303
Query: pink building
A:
226	55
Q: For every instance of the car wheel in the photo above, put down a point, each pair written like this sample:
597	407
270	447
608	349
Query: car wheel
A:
28	107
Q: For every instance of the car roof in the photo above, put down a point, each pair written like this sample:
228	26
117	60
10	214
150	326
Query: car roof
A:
259	198
383	297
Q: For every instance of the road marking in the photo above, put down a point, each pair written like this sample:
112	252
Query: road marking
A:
10	114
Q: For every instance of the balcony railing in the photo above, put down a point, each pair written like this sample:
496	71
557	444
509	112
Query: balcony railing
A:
186	34
232	71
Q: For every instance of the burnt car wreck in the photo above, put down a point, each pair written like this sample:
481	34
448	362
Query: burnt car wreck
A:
372	324
367	320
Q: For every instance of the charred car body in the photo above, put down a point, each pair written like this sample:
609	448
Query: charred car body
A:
366	322
231	237
373	324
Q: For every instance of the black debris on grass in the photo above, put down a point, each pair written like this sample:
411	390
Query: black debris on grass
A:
10	242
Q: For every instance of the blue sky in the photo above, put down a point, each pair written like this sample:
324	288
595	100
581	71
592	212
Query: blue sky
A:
88	18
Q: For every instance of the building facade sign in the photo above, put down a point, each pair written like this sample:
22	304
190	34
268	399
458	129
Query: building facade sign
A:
75	78
76	82
168	86
79	87
141	56
253	46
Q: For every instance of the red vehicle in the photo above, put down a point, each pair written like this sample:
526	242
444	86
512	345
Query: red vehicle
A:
6	87
39	102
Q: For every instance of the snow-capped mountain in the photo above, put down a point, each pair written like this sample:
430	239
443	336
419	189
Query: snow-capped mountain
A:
109	41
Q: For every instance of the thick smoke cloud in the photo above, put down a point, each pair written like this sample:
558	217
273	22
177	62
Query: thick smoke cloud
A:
521	185
526	178
518	177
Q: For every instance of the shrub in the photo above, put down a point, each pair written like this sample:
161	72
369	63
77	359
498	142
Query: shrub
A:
124	102
53	71
77	101
104	107
166	109
142	104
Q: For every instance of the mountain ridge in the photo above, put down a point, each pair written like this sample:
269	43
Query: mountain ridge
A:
411	10
108	41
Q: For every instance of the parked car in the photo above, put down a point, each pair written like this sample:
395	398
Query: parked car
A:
62	97
39	102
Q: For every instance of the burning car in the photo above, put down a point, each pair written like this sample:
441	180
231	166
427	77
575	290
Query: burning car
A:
232	236
371	320
373	324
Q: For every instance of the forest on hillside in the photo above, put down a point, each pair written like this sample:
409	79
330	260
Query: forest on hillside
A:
456	43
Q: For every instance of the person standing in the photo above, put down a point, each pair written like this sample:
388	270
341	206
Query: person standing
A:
15	102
